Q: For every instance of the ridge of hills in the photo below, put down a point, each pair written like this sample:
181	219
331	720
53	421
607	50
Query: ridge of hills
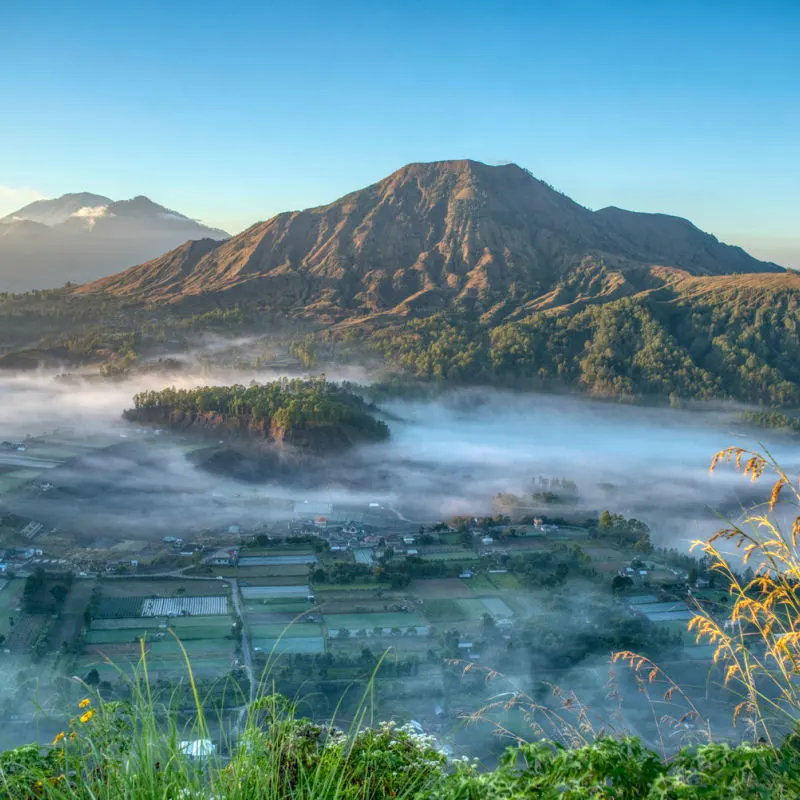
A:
430	237
455	272
82	236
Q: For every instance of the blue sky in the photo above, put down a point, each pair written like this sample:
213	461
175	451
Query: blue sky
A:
232	112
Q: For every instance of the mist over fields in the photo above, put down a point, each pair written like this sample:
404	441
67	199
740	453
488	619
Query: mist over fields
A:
446	456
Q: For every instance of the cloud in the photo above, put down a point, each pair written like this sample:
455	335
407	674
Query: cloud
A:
91	211
14	197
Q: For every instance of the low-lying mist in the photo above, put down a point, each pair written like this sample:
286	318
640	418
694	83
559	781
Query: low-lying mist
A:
446	456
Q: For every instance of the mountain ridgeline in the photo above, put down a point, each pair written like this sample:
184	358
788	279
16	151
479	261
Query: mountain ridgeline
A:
82	236
430	237
313	415
465	273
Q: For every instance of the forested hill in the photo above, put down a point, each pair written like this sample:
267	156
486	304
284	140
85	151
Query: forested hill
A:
312	414
712	338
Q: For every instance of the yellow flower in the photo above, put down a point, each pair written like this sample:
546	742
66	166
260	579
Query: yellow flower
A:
85	702
72	736
59	737
87	716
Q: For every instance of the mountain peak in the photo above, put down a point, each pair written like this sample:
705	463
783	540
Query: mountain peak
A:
57	210
430	235
81	236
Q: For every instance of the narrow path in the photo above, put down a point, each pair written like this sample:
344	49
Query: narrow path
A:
247	656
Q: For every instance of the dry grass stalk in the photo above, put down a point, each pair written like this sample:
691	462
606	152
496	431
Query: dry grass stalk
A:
759	644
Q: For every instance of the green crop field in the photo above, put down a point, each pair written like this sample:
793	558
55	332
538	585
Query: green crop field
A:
169	647
369	621
504	580
209	626
349	587
10	598
461	555
111	607
299	630
444	611
157	587
279	570
286	550
260	576
140	623
291	645
121	636
277	606
472	608
480	583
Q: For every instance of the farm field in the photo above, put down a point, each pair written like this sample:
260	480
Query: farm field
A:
472	608
298	630
440	589
286	606
120	623
496	607
118	607
10	599
461	555
480	583
504	580
328	588
276	561
444	611
370	621
259	578
70	621
354	645
277	570
284	550
291	644
155	587
290	591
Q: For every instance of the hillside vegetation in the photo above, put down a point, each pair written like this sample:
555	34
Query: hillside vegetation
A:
712	346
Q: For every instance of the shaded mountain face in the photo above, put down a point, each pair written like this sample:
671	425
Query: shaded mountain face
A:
83	236
431	236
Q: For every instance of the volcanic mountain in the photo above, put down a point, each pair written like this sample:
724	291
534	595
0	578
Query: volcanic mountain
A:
83	236
431	236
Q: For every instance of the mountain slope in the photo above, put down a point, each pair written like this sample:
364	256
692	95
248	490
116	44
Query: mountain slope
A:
431	236
79	237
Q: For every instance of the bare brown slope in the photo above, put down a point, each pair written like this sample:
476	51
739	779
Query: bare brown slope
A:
427	236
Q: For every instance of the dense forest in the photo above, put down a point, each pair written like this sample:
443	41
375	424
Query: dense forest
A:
743	349
737	339
283	410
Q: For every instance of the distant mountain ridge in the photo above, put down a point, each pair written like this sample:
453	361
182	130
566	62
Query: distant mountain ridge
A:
83	236
433	236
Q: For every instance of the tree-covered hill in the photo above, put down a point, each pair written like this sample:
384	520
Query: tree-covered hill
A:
315	414
700	341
